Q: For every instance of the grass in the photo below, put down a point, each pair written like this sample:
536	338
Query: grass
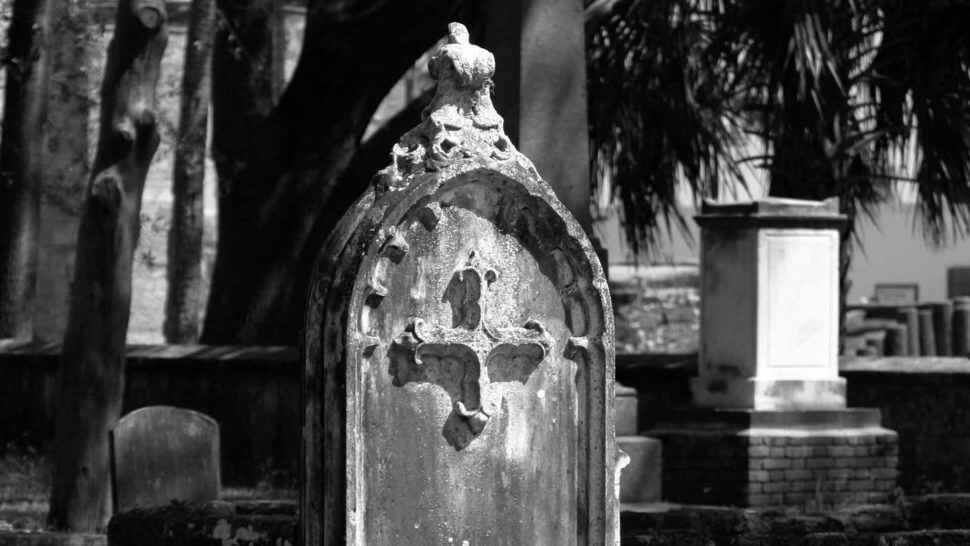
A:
24	489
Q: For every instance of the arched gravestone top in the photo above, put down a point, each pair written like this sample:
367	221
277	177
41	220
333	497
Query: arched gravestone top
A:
162	453
459	361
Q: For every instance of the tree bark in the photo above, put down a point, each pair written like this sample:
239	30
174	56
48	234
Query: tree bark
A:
67	163
91	374
280	199
184	304
21	161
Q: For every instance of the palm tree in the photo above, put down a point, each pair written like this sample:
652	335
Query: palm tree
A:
850	98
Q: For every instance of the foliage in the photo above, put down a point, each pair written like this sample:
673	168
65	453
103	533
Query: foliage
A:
850	98
659	110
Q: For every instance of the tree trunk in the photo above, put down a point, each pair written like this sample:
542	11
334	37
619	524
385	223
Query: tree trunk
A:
91	374
67	164
281	197
184	305
245	91
20	165
72	45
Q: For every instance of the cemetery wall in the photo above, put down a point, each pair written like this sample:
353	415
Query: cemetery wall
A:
925	400
254	394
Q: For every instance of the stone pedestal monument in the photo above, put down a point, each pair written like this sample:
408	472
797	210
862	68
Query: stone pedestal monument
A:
459	380
771	425
770	306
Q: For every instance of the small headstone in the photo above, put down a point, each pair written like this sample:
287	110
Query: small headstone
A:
162	454
897	340
927	331
957	282
943	327
459	347
961	326
909	316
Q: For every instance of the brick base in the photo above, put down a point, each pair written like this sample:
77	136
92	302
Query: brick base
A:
810	467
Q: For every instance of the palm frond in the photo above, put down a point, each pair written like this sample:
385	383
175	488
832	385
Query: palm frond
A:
659	112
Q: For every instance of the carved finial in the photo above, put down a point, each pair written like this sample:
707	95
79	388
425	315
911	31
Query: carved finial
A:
460	63
460	123
457	34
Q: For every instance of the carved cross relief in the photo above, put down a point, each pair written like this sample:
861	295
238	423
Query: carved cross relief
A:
470	354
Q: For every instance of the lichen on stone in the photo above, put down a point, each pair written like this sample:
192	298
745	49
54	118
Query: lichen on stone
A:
460	123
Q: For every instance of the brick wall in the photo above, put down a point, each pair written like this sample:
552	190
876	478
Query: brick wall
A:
777	467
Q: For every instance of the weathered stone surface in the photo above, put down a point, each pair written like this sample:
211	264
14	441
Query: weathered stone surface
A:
459	346
162	454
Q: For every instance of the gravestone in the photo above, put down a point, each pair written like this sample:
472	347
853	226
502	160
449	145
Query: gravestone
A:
160	454
957	281
961	326
459	356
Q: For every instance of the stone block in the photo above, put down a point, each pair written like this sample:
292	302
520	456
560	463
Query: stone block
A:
626	411
797	474
776	464
640	480
823	462
758	451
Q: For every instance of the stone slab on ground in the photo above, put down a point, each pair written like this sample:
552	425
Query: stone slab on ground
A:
243	524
